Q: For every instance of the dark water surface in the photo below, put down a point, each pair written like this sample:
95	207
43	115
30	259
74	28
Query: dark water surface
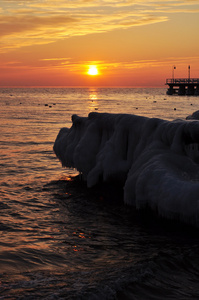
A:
60	240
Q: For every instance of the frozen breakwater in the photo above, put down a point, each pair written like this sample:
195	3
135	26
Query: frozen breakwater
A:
156	161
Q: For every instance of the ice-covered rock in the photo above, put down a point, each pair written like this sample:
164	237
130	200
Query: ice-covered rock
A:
193	116
155	160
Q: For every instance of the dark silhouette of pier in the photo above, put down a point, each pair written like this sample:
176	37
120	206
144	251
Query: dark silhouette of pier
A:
183	86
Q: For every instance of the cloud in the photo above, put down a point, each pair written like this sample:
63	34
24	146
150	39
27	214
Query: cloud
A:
66	65
26	23
78	66
145	20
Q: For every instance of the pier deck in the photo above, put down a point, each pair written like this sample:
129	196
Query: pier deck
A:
183	86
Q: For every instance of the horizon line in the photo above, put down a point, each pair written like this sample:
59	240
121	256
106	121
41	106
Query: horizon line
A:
79	86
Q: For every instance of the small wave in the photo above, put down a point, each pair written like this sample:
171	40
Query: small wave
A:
24	143
169	275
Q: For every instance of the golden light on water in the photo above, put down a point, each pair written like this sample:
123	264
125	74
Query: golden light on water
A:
93	104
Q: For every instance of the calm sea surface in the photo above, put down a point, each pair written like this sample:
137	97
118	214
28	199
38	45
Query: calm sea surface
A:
60	240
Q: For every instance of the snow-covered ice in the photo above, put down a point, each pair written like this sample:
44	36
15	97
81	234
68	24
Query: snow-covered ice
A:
193	116
156	161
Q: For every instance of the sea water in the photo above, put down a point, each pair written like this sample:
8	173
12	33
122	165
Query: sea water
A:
61	240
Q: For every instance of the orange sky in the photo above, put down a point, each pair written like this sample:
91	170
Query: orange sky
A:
132	42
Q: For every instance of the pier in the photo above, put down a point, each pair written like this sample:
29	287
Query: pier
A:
183	86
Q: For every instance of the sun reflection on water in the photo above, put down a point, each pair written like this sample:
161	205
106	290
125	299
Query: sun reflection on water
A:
93	104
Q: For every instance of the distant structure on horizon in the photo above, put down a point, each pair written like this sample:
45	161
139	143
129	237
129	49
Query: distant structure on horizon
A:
182	86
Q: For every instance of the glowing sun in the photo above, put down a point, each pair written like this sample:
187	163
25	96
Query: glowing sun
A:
92	70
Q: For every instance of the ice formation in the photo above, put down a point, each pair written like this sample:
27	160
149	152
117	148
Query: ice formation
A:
155	160
194	116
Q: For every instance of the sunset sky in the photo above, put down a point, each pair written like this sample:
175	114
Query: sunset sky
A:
131	42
